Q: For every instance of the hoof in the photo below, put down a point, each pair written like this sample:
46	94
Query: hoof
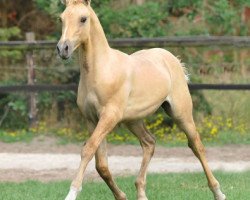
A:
221	197
122	197
218	195
142	198
72	194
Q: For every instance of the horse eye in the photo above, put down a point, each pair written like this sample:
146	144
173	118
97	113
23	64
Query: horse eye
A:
83	19
59	19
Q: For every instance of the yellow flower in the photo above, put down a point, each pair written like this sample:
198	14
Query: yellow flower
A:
214	131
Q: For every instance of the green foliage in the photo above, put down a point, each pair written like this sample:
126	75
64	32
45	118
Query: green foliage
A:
16	107
222	18
98	4
134	21
214	130
51	7
181	7
13	136
202	106
240	3
183	3
16	114
152	18
7	34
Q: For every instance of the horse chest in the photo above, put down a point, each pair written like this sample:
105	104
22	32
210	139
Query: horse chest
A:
88	98
89	104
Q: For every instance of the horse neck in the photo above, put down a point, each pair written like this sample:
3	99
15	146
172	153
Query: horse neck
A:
96	49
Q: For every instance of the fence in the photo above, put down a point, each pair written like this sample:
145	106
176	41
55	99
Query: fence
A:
73	87
197	41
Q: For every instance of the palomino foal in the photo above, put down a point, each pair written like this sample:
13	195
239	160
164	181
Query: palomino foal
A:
115	87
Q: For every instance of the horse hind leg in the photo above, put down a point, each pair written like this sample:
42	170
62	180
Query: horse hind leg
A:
147	142
198	149
180	109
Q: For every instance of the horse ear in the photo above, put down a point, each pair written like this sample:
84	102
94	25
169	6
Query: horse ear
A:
87	2
63	2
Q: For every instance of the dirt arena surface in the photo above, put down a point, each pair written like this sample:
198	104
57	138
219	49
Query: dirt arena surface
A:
45	160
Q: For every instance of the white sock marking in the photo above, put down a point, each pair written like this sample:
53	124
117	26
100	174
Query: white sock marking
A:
73	192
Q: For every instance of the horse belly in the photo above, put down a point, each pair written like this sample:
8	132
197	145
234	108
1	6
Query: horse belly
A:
146	100
139	111
151	85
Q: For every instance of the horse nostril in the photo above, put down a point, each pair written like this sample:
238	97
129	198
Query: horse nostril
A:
66	48
58	50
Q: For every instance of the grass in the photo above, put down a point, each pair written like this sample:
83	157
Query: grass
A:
122	137
214	130
230	137
222	138
13	136
188	186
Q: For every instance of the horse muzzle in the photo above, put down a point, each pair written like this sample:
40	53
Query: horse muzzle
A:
64	49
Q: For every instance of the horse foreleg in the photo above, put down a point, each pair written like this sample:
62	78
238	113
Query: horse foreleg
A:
148	145
107	122
103	170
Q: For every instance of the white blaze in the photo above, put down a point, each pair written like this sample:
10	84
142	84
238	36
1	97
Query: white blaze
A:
64	33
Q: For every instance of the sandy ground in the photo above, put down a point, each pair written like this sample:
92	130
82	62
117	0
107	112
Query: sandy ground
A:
43	159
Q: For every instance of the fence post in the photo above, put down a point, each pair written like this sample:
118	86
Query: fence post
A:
30	37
